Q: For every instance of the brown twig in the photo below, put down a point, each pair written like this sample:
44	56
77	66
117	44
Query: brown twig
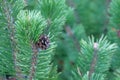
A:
33	62
94	60
69	31
76	43
8	15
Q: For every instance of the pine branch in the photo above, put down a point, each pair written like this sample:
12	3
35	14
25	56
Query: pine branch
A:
9	10
55	20
76	44
70	33
29	29
94	60
34	61
9	18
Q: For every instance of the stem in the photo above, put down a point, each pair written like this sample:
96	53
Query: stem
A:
33	62
94	61
76	42
10	26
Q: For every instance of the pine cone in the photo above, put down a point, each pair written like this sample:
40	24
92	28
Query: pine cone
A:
43	42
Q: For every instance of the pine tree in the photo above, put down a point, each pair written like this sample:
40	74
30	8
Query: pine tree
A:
47	40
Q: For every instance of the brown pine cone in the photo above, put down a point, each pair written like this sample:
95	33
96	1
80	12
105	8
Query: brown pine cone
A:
43	42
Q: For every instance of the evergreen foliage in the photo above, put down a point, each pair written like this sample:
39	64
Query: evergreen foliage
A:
7	47
47	40
54	11
95	57
92	17
94	77
114	37
25	30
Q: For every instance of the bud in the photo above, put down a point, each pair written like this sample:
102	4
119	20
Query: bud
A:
96	46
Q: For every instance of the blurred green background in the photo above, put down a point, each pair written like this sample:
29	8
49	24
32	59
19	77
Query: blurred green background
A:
87	17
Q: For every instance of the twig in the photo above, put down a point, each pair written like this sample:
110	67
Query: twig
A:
33	62
76	43
94	60
69	31
10	26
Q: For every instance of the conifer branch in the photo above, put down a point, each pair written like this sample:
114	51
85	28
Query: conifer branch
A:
10	26
33	62
76	43
94	60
